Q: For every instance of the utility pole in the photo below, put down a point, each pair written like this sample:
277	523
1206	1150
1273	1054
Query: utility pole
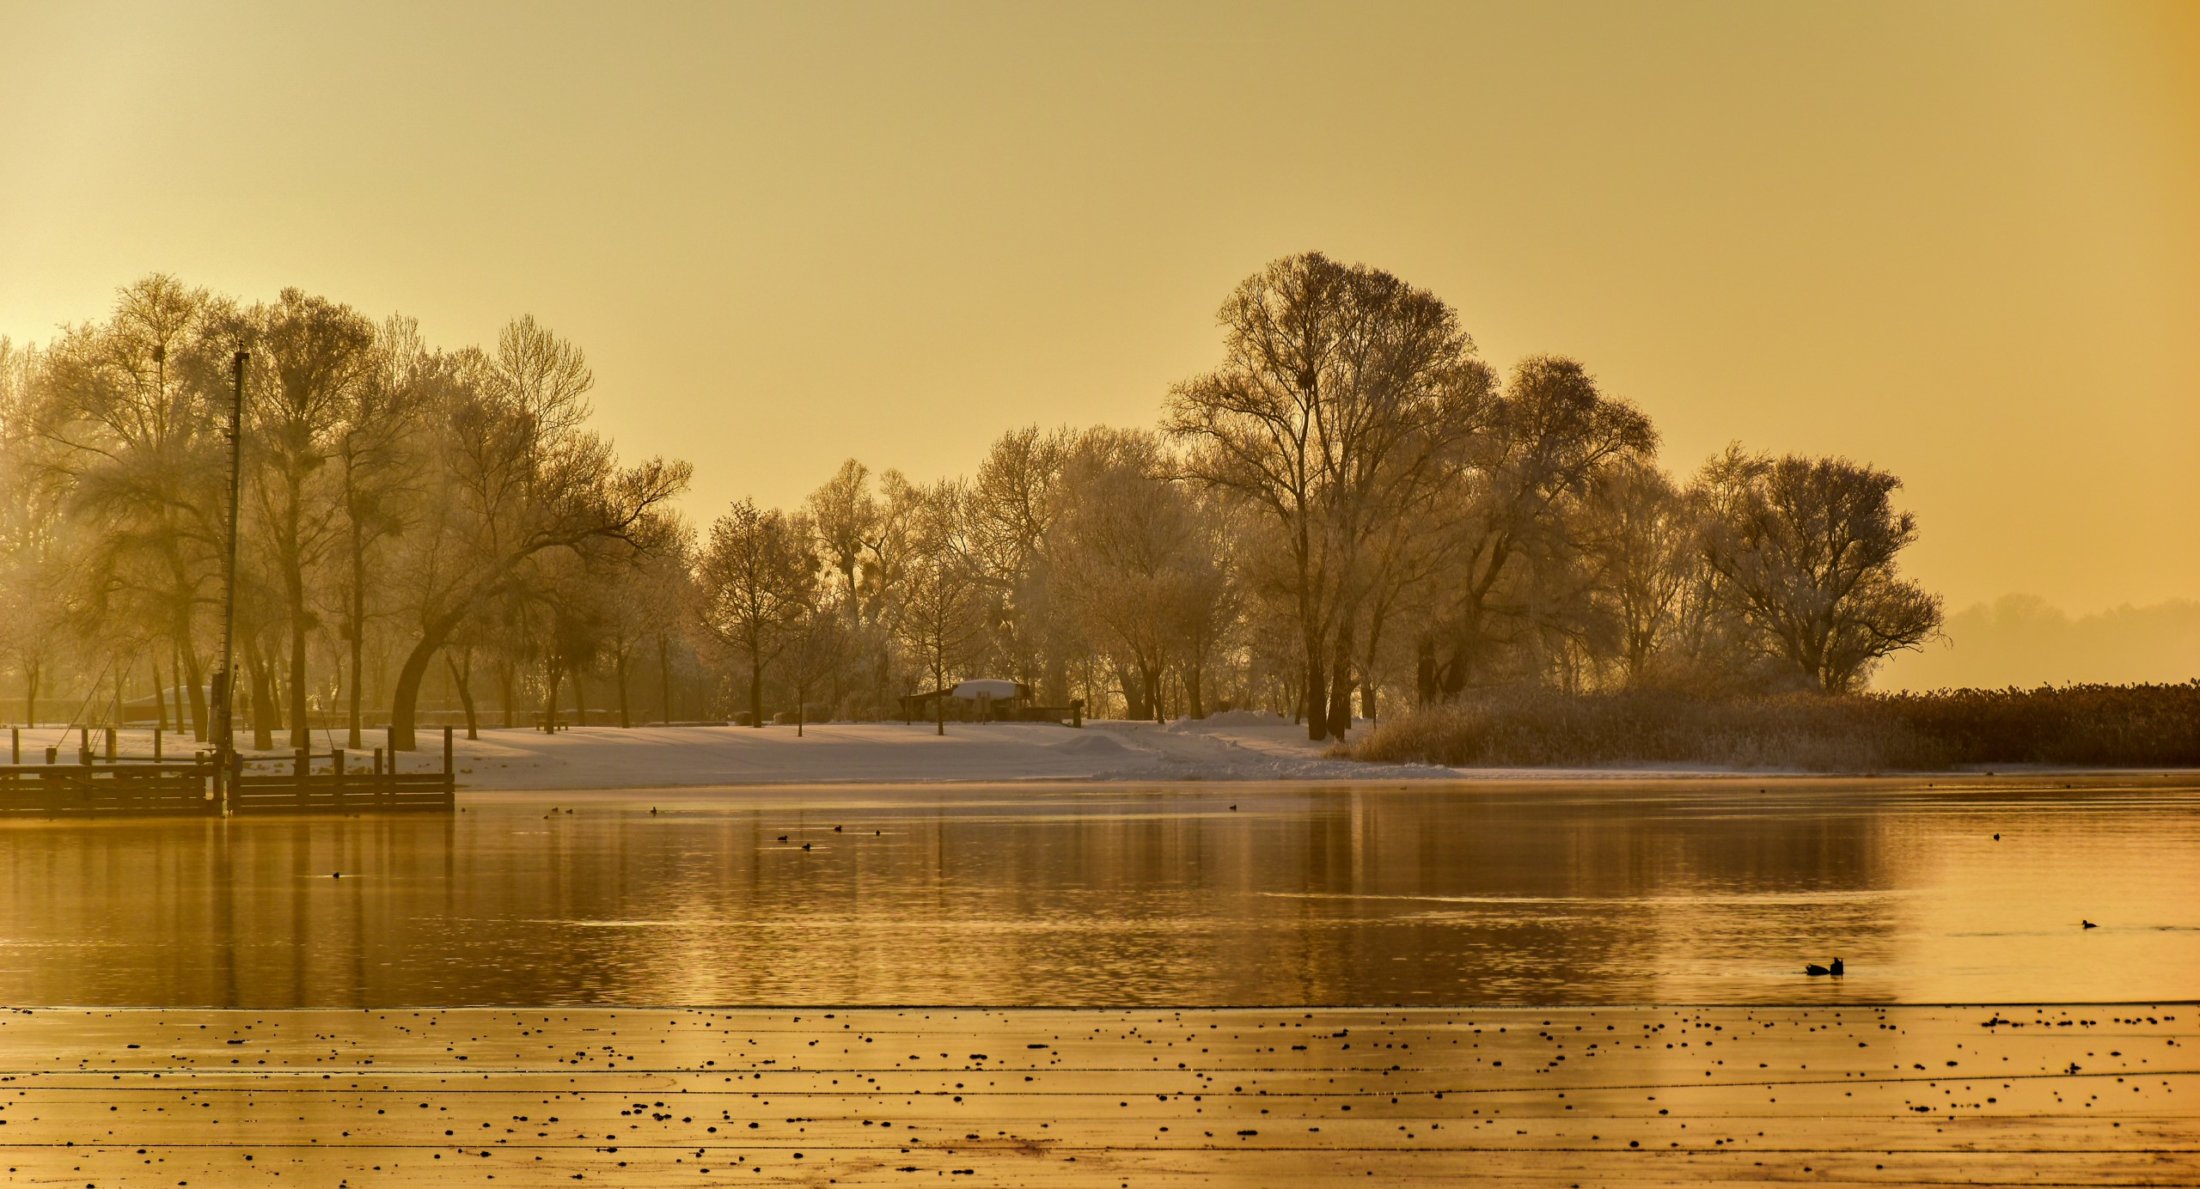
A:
225	684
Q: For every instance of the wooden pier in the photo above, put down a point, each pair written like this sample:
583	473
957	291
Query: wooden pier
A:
106	784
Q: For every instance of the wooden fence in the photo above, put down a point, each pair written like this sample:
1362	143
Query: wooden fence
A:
95	787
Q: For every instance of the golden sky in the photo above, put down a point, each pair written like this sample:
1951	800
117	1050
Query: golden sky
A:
1959	240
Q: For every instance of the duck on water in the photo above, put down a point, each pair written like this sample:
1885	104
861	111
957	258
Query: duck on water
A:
1814	969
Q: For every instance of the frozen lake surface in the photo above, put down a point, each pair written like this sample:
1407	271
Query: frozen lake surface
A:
1607	892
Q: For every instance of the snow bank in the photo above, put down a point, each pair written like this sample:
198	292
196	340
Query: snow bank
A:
1266	748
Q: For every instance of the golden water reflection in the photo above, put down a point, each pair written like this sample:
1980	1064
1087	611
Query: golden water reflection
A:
1669	892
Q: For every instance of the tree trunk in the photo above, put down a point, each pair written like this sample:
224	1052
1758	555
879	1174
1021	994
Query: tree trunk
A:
160	697
580	700
550	681
1367	671
31	673
359	636
1340	684
1196	707
505	678
406	695
301	732
756	690
618	665
462	681
195	679
263	701
1316	701
664	679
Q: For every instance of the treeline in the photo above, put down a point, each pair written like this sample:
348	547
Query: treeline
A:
1351	513
400	507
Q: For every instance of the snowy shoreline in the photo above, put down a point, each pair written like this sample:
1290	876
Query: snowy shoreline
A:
1239	748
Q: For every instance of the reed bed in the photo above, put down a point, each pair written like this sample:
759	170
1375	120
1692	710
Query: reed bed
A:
2103	726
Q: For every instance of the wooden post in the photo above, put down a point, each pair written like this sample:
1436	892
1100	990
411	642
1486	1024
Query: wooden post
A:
336	768
378	761
156	743
110	745
53	754
84	744
15	745
450	785
302	767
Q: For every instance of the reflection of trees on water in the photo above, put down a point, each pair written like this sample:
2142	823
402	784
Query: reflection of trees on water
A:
1305	896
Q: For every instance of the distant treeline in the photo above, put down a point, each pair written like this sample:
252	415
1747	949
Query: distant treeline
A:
1350	513
2153	726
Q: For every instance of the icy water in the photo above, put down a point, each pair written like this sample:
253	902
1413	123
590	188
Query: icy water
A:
1547	893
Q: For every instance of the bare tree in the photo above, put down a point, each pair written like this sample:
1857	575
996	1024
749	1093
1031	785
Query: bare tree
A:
647	602
379	459
1341	386
1805	550
1643	537
1015	503
940	615
313	363
757	580
1540	443
817	645
846	515
517	477
37	587
129	417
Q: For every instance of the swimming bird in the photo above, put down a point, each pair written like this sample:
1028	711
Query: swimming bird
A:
1815	970
2086	924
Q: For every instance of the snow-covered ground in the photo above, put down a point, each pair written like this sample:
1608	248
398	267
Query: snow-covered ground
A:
1232	747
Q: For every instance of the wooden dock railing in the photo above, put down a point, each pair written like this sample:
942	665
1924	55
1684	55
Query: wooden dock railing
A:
117	786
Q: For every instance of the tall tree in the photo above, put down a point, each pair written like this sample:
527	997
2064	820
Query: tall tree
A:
131	417
517	476
1642	533
1805	550
37	587
1340	389
940	609
846	515
379	456
757	580
1540	444
313	372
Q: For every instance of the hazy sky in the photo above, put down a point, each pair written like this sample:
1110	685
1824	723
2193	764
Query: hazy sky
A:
1961	241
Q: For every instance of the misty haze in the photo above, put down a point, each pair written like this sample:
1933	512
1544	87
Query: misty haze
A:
1066	595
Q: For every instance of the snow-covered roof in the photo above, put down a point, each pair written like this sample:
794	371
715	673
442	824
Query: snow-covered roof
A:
984	687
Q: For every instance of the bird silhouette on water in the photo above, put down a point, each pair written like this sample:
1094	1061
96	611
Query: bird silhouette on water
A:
2086	924
1814	969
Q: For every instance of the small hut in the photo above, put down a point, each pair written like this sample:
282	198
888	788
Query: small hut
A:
980	699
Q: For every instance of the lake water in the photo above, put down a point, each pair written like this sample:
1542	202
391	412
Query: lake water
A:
1548	893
